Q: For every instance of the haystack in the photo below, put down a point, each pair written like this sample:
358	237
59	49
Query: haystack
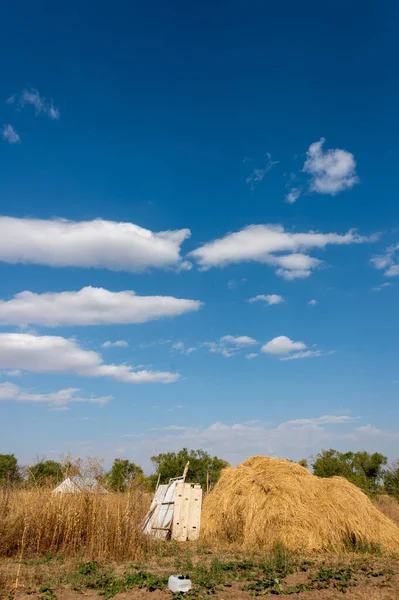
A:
268	501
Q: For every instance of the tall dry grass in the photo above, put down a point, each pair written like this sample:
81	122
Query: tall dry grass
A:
95	526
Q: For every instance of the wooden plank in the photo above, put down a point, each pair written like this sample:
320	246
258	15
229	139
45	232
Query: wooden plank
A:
194	517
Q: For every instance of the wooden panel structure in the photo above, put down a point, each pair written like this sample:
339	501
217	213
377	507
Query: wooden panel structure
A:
187	512
158	522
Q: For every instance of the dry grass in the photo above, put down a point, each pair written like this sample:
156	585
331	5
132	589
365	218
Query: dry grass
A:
97	526
265	502
389	506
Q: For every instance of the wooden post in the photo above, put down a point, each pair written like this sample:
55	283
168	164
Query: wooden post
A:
159	477
207	482
185	471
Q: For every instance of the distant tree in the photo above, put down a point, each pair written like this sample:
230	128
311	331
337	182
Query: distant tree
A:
361	468
203	467
9	469
123	473
304	463
391	480
46	472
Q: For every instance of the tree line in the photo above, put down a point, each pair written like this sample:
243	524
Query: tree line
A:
370	472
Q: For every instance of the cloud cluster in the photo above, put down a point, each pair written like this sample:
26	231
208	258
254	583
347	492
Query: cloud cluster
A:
90	306
270	299
40	104
388	261
13	393
331	171
294	438
181	348
55	354
293	195
97	244
10	135
267	243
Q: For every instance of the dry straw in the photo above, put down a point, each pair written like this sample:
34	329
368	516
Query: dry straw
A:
96	526
270	501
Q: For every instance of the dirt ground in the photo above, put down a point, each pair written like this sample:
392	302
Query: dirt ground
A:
215	576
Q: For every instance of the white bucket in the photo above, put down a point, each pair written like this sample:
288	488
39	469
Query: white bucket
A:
179	583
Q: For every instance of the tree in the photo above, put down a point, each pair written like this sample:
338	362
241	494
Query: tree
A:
391	480
46	472
123	473
304	463
204	469
9	469
361	468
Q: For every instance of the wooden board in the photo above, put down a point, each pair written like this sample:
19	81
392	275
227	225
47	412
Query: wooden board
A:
187	512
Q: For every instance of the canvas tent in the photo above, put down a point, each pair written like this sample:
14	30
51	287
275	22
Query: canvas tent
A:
78	484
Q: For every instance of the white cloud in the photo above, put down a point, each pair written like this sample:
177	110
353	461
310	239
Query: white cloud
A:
265	243
313	302
294	438
270	299
10	392
387	261
378	288
307	354
55	354
97	244
10	135
40	104
117	344
282	345
293	195
90	306
331	171
251	356
258	175
180	347
242	340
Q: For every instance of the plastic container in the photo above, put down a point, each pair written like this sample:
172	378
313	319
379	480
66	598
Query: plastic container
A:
179	583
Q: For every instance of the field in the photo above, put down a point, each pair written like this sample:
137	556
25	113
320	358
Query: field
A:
74	546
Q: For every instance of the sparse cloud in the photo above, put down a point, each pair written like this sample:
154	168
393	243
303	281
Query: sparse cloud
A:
13	393
293	438
181	348
116	344
388	261
282	345
293	195
251	355
266	243
234	283
10	135
90	306
313	302
307	354
33	98
258	175
242	340
269	299
331	171
229	345
55	354
378	288
95	244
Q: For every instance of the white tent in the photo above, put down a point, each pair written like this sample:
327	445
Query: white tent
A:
78	484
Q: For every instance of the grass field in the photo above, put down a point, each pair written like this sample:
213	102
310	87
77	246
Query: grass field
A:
74	546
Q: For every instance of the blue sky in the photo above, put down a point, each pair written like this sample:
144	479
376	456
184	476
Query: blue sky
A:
263	140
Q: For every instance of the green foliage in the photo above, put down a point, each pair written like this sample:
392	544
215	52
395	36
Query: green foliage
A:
172	465
123	473
391	480
9	469
47	472
361	468
304	463
47	593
